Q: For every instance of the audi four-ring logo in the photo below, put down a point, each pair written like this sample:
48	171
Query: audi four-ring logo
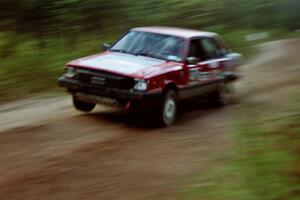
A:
98	80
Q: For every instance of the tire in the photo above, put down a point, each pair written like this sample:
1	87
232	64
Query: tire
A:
223	95
168	109
83	106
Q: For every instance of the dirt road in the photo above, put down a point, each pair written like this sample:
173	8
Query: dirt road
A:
50	151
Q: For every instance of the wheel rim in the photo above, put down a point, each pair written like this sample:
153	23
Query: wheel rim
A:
226	92
169	110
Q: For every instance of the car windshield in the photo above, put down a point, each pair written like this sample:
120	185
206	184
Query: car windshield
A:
150	44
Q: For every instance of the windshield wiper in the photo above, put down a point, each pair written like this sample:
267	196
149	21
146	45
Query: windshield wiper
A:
142	54
121	51
148	55
138	54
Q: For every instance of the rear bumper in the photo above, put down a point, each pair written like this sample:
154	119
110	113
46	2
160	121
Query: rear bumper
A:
75	86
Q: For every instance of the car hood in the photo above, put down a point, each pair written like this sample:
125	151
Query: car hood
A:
120	63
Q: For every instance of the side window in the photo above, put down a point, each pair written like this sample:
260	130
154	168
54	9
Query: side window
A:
210	48
196	50
222	46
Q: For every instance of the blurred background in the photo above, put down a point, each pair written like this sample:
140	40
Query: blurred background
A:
249	150
38	37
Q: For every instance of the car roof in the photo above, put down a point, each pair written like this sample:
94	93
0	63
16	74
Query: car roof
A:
174	31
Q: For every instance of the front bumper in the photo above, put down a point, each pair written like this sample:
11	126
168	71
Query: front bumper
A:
122	96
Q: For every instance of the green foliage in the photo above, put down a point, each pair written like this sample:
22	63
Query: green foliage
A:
28	68
38	37
71	17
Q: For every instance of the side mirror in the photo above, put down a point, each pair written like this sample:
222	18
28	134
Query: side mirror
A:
105	46
192	60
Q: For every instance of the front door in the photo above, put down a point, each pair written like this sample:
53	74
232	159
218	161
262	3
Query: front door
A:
208	67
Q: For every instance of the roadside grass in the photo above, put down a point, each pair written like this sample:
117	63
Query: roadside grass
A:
31	65
263	164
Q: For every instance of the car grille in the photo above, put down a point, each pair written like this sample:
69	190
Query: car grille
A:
99	79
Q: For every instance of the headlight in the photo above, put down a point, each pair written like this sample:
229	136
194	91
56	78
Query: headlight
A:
140	85
70	72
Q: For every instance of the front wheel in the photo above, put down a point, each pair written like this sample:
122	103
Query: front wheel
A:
168	109
82	105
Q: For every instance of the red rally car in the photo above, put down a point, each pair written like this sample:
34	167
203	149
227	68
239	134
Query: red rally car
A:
154	67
